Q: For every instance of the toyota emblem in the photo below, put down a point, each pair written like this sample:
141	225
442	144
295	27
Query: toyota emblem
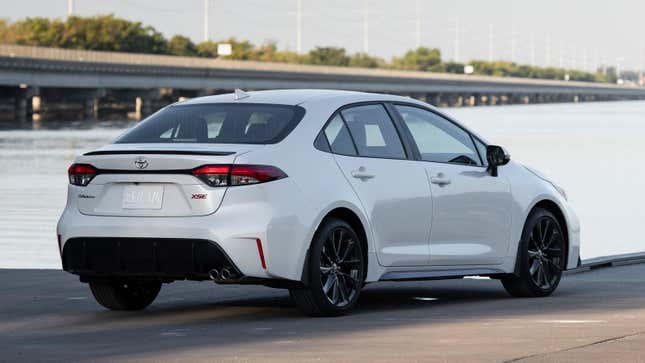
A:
141	163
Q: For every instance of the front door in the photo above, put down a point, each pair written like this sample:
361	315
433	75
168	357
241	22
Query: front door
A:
471	209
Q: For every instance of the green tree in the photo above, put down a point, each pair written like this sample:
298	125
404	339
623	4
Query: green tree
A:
181	45
330	56
365	61
420	59
207	49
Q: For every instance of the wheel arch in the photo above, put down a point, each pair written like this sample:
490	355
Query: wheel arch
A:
555	209
348	215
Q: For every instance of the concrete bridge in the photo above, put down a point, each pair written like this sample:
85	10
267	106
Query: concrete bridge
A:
36	80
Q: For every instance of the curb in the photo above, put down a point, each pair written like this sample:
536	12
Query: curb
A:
609	261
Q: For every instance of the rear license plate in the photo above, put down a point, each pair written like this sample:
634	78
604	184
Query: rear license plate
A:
142	196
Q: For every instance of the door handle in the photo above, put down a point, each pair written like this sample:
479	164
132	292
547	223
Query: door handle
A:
362	174
440	179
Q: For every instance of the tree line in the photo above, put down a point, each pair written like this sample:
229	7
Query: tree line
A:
109	33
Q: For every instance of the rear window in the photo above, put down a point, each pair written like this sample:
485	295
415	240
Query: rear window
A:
216	124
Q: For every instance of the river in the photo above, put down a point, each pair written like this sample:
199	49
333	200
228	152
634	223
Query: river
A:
593	150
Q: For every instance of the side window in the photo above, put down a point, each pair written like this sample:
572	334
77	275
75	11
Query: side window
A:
437	138
481	147
338	137
373	132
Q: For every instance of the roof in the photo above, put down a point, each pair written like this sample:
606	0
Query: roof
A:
294	97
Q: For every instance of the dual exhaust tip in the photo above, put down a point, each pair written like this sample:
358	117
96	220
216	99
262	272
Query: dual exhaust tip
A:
223	275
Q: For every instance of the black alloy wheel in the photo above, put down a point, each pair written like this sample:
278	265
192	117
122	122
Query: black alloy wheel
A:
541	257
336	271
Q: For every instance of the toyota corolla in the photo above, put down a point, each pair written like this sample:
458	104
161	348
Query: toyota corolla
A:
315	191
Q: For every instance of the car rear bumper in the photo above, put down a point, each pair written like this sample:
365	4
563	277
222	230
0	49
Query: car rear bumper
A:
163	258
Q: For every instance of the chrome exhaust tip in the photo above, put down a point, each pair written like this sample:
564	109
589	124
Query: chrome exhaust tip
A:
226	274
214	274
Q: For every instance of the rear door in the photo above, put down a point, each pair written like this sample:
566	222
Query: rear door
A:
393	190
472	210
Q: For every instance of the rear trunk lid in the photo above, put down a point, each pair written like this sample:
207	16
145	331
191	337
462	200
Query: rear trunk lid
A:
154	180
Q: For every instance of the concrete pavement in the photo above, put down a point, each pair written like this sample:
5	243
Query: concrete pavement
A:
596	316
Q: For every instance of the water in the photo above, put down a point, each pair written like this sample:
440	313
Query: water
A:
593	150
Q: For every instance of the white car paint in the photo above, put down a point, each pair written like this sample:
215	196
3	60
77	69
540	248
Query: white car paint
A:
470	226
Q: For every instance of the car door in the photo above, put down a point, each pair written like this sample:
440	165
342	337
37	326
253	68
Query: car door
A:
471	209
393	190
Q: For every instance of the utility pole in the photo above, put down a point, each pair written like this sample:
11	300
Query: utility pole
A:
640	66
366	10
490	42
596	60
418	24
70	8
561	55
513	42
574	59
299	27
206	6
456	56
547	51
584	59
532	49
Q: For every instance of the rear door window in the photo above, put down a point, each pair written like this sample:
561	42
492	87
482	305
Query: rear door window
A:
217	124
373	132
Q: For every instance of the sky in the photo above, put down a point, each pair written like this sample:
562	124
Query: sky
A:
579	34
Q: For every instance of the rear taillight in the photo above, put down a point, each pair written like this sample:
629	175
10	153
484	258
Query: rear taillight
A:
233	175
81	174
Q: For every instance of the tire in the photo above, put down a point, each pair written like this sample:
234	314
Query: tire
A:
541	257
336	271
125	295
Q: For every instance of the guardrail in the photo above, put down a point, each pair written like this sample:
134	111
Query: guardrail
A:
253	67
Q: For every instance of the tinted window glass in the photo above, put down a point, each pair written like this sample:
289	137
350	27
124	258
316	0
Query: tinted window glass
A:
338	137
481	147
217	124
437	138
373	132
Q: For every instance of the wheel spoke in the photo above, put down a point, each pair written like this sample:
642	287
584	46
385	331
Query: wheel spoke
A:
350	277
329	284
553	252
325	270
554	266
341	288
533	253
334	293
534	267
350	247
350	262
545	277
545	232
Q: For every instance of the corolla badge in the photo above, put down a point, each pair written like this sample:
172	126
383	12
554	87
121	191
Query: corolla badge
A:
141	162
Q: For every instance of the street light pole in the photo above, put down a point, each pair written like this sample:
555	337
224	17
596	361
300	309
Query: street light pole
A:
418	25
206	6
366	10
70	8
299	27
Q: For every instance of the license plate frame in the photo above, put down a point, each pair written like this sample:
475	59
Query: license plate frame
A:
142	197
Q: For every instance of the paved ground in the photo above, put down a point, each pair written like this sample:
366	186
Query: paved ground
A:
594	316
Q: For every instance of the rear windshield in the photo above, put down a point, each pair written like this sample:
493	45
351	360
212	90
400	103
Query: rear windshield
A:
220	123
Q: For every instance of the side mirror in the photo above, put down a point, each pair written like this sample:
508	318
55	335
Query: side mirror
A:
496	156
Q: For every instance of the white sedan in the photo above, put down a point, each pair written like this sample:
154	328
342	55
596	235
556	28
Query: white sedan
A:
316	191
